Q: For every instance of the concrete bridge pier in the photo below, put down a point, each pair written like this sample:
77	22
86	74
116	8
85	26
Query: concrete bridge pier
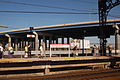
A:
116	38
9	39
36	42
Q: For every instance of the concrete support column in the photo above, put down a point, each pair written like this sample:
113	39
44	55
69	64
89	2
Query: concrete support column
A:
43	45
50	41
44	42
39	41
25	42
22	47
33	45
116	38
68	40
116	42
16	45
56	40
62	40
83	47
119	45
9	39
36	42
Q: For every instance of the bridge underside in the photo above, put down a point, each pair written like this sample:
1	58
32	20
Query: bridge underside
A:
74	32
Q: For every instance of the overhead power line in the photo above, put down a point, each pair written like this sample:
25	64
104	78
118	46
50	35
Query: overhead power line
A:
44	12
40	5
88	1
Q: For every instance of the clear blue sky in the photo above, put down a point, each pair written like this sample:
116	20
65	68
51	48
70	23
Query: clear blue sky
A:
24	20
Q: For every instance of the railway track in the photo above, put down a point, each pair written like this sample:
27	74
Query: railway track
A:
107	74
42	67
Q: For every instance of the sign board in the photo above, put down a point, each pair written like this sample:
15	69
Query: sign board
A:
59	45
30	35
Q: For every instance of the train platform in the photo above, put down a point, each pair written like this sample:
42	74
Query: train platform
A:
14	60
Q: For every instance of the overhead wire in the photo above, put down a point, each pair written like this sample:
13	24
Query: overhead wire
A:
40	5
46	12
40	12
90	1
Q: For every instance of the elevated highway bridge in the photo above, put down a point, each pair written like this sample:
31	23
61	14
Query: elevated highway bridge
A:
91	25
50	34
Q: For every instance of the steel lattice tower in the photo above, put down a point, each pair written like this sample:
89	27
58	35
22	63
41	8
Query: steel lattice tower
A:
104	7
